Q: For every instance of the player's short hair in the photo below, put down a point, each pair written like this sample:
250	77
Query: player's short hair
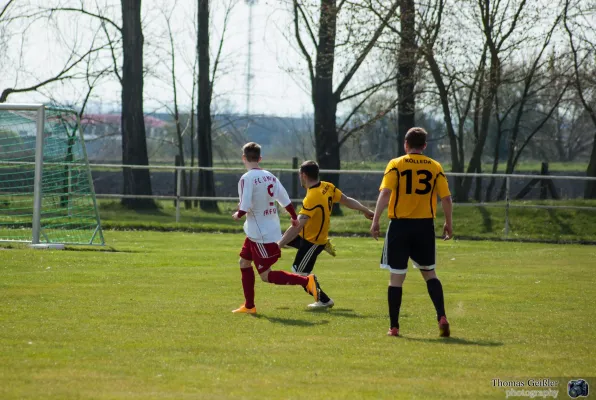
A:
416	138
311	169
252	151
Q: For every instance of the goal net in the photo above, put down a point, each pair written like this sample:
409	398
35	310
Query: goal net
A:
46	189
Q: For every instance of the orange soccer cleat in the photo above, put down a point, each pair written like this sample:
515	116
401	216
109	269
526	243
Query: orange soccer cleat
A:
244	310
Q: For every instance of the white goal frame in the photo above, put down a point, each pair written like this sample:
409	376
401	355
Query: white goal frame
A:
40	115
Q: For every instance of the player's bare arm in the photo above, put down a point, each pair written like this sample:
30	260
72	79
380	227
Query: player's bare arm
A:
356	205
382	202
447	204
293	230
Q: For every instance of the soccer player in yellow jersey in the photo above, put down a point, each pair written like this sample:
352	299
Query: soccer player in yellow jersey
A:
410	187
311	234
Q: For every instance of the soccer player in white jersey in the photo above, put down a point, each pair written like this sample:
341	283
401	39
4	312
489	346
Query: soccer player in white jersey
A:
258	190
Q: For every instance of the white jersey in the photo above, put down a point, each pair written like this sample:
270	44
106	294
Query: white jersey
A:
258	190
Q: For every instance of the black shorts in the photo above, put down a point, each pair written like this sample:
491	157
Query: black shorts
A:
306	256
409	239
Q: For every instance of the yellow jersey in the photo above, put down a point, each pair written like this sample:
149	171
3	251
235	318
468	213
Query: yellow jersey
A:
415	181
317	205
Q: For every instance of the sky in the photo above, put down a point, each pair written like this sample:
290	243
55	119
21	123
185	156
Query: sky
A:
274	90
279	84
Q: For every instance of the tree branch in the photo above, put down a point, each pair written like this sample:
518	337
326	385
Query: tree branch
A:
61	76
365	51
369	122
373	87
83	11
310	31
221	41
305	53
5	8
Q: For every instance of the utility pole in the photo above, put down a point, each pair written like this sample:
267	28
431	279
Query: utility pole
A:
250	4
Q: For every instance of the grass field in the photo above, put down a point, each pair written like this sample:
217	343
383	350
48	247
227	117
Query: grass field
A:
150	319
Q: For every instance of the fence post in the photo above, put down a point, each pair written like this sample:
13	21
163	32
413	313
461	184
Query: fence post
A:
178	175
507	196
543	182
294	178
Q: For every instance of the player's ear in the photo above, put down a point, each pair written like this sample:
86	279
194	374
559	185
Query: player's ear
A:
260	158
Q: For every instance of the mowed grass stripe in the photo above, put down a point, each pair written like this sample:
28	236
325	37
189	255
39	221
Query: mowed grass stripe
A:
153	321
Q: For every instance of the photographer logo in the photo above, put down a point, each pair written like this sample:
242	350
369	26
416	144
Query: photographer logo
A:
578	388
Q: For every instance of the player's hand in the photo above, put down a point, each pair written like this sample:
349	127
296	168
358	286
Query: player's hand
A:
294	222
280	246
235	216
368	214
447	231
375	230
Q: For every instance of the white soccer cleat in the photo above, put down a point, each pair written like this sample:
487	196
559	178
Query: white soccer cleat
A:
330	248
319	304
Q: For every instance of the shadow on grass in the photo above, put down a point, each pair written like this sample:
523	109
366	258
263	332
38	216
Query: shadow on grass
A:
455	340
486	220
565	227
101	249
290	321
337	312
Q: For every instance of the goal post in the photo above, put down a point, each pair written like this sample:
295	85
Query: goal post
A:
47	196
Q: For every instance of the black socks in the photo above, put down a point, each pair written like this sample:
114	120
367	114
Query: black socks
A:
394	300
435	290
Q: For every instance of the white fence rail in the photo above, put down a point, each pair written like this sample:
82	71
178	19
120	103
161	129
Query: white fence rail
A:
179	198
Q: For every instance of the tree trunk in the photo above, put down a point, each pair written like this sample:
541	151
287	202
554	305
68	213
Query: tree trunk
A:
590	191
134	141
495	166
487	103
206	185
324	99
456	146
406	116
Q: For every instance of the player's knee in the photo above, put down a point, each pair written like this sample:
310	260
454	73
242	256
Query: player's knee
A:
396	279
427	275
264	275
245	263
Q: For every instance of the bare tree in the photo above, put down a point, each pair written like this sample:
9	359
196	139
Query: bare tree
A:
134	142
582	49
74	67
325	95
206	78
406	78
537	76
171	54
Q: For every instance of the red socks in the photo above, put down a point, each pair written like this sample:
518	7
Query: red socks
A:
286	278
248	285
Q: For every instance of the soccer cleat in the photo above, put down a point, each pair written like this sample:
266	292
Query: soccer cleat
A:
320	305
244	310
312	287
444	327
330	248
393	332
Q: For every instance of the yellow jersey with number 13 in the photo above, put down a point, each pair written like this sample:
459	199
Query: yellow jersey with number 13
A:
415	181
